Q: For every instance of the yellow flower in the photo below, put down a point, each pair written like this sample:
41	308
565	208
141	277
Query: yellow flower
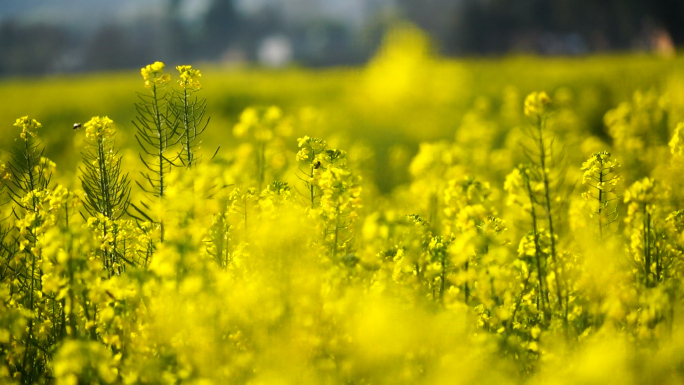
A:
248	119
99	128
536	104
4	173
677	143
597	171
28	126
302	154
303	141
641	192
273	114
46	167
154	74
189	77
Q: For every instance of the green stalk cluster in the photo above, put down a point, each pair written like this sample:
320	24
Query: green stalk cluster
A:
30	174
107	190
600	175
166	119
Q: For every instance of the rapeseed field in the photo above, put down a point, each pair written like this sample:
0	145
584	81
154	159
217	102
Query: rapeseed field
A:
419	220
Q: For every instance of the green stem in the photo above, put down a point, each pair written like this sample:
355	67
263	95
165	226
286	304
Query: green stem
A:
549	216
32	180
647	245
337	230
162	146
600	199
467	289
186	124
442	279
311	186
537	249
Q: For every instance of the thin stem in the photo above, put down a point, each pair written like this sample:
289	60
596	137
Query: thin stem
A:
158	123
647	245
186	124
549	216
537	249
600	199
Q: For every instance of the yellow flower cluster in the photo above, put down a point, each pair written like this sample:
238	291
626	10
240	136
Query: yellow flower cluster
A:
642	192
466	205
599	173
4	173
46	167
537	104
309	148
261	124
341	192
189	77
99	129
154	75
677	145
28	127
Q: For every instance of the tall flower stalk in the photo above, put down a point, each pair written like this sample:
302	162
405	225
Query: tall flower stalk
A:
641	200
189	113
537	107
600	175
29	176
156	133
107	188
518	183
309	152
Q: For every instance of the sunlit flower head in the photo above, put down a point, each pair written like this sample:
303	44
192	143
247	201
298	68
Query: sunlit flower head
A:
273	114
262	124
248	119
99	128
537	104
154	74
641	191
677	142
189	77
597	170
28	126
4	174
45	166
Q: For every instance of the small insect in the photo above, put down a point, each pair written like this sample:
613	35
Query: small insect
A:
317	165
77	126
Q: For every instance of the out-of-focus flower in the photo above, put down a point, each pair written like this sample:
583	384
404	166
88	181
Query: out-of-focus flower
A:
189	77
28	126
537	104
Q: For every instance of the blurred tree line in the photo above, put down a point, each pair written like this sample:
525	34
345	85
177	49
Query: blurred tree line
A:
459	27
544	26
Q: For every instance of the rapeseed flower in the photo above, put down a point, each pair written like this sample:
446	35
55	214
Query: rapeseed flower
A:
189	77
99	128
28	126
677	144
642	192
4	173
537	104
153	74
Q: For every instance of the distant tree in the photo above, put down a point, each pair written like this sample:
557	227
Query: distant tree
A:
223	28
109	48
481	27
31	49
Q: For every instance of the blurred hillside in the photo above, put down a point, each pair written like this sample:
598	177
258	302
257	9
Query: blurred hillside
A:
39	37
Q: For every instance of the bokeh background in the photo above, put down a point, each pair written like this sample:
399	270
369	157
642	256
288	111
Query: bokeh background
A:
39	37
